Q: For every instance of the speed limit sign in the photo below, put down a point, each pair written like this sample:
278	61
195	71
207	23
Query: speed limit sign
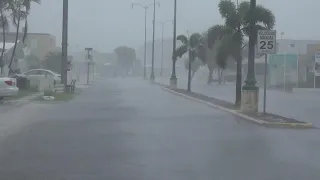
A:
267	41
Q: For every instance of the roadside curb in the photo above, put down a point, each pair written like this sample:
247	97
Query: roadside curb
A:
248	118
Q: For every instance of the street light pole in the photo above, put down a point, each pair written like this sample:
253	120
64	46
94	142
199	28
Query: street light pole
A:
162	27
145	7
173	79
145	44
163	23
64	44
153	35
250	90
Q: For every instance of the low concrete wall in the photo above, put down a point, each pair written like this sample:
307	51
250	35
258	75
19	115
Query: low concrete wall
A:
302	90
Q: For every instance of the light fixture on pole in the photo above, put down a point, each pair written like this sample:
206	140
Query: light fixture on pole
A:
145	7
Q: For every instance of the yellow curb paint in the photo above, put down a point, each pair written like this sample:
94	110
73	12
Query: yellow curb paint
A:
236	113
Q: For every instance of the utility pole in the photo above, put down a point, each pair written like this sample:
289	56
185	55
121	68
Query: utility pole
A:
64	57
89	58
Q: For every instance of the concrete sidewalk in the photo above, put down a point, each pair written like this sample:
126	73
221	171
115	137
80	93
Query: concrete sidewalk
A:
302	106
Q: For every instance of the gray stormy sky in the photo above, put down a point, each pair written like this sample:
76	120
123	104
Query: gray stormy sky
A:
105	24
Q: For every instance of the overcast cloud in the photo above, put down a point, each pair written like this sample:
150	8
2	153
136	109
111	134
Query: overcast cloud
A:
105	24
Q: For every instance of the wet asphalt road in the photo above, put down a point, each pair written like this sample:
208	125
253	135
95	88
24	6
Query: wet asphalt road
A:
128	129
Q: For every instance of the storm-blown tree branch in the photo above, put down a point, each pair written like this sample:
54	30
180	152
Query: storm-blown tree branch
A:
5	26
20	10
192	45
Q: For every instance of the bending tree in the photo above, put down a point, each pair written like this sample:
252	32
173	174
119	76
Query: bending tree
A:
210	56
195	66
5	27
236	27
20	10
52	62
192	45
33	62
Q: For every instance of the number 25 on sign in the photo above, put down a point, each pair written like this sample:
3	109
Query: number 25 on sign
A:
266	41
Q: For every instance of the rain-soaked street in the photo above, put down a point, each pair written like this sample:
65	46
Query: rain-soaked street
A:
129	129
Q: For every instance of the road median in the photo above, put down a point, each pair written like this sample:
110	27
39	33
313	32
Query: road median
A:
268	119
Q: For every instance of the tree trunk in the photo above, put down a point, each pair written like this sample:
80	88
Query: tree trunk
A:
189	73
4	41
210	76
222	76
192	75
219	75
238	81
15	43
25	31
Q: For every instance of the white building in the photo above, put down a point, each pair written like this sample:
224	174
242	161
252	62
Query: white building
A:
18	61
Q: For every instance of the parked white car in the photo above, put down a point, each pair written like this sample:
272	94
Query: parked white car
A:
8	87
36	73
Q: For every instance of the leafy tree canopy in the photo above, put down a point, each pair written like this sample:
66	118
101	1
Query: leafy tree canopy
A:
53	62
125	56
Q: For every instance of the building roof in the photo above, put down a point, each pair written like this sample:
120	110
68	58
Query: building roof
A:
8	45
11	36
21	33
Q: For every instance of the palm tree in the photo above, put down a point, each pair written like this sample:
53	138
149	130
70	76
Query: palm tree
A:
52	61
195	66
191	45
20	10
213	34
236	26
27	5
5	26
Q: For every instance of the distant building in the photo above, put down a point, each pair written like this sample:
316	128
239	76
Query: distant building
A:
18	63
299	57
291	46
38	43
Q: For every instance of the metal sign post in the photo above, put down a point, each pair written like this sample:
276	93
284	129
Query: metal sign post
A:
265	83
284	72
266	45
89	58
